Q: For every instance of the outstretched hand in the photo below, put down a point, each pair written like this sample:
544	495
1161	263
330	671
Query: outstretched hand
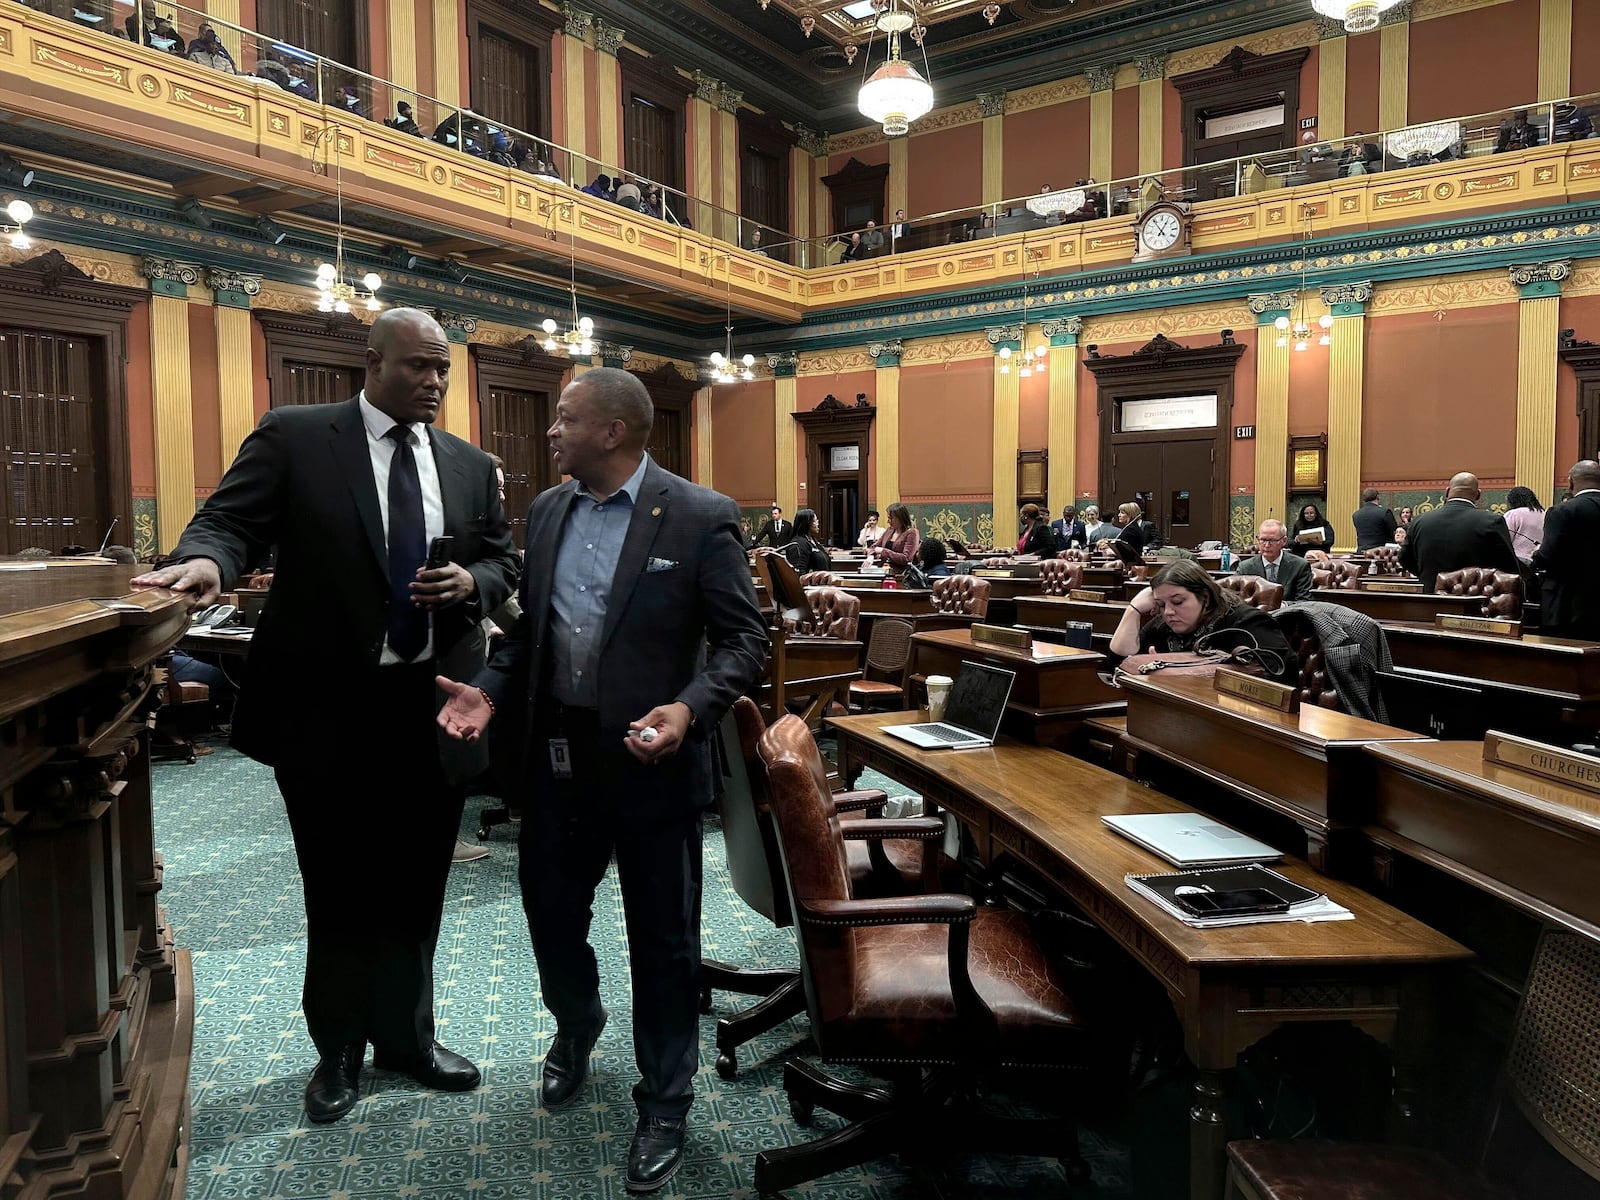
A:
466	713
201	578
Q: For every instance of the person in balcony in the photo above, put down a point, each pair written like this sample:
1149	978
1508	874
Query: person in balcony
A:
1570	124
349	100
628	193
1516	133
854	251
601	187
207	50
161	34
873	239
1362	158
404	120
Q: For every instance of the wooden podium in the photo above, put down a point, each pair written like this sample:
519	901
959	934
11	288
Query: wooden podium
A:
96	1006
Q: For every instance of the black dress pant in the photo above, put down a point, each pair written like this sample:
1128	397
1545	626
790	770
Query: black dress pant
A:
570	829
374	826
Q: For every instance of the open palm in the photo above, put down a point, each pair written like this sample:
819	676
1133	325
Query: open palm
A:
466	712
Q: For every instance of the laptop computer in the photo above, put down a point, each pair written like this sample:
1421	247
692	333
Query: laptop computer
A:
1191	839
977	702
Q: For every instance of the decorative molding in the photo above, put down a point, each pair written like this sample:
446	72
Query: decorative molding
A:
1273	41
785	364
947	350
454	322
1004	335
1347	293
1400	14
612	355
1053	327
577	21
1151	65
1101	79
1524	274
811	141
1262	303
1328	28
992	104
1475	289
608	39
1186	321
893	348
835	362
171	270
706	88
221	279
729	99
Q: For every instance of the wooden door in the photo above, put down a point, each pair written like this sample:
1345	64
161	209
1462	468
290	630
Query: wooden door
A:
513	425
505	83
335	29
317	383
669	441
1184	506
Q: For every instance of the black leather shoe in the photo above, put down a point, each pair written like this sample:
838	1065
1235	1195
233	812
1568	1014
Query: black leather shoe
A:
333	1087
437	1068
566	1066
656	1153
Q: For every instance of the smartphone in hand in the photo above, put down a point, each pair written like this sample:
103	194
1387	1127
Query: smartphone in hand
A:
439	551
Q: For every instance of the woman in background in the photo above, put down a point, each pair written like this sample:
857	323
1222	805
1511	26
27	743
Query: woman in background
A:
1037	536
1525	520
1310	518
898	546
803	552
871	533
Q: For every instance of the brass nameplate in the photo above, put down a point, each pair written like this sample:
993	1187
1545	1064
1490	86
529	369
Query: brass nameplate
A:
870	584
1279	696
1508	750
1390	585
1087	594
993	573
1003	635
1494	626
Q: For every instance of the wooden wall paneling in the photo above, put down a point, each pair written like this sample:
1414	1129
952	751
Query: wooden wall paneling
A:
509	53
310	359
655	100
673	396
517	393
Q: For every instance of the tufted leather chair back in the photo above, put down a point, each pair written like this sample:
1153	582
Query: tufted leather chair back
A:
813	579
1340	573
833	613
1501	590
965	594
754	863
1315	686
1384	560
813	858
1074	555
1253	589
1058	577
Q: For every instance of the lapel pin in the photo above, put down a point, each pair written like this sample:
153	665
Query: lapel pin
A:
655	512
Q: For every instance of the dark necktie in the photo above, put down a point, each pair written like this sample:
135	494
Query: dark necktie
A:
408	548
1272	572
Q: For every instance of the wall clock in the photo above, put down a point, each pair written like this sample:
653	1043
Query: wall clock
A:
1162	232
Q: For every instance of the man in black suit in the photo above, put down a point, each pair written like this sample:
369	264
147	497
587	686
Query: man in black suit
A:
1273	565
639	630
1374	522
1069	530
1457	534
1570	597
775	531
338	695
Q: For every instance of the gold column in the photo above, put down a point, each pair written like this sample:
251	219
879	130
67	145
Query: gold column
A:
1331	58
821	199
1272	406
886	427
1101	81
446	51
607	41
457	415
1347	366
1539	320
174	395
799	203
786	485
899	187
993	107
1006	404
1062	433
728	101
1152	79
1394	74
1555	49
703	123
574	72
231	291
702	437
228	11
402	22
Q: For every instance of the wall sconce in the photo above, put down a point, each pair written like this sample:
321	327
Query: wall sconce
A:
1092	351
1227	338
20	212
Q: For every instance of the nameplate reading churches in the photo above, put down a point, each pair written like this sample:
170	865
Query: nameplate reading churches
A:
1566	766
1494	626
1280	696
1000	635
1373	585
1087	594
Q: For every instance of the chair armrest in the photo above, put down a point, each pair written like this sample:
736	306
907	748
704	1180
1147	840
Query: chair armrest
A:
942	908
920	829
857	800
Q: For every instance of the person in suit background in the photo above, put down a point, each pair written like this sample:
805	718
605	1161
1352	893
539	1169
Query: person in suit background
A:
639	630
1374	522
775	531
1036	537
338	691
1570	594
1069	531
1457	534
1273	565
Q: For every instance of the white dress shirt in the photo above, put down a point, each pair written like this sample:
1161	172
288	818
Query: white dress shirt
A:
381	448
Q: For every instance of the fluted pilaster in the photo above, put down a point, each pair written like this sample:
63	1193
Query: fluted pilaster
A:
1062	423
1332	55
702	437
886	426
1555	49
446	52
1394	73
1537	338
1007	402
786	486
174	416
1347	360
1272	406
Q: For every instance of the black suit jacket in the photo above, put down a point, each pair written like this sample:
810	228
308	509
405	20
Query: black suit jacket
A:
303	482
682	585
1375	526
1064	536
1294	573
1453	536
1570	594
771	535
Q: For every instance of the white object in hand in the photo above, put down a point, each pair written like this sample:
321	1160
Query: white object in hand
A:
647	734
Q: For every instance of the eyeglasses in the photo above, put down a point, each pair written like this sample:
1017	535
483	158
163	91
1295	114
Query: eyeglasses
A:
1271	539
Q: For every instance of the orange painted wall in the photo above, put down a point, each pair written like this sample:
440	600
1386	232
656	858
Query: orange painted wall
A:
1308	390
260	389
1309	71
141	403
1033	411
1124	132
1361	67
1476	61
944	170
378	41
742	453
808	393
947	429
1044	145
1440	396
206	404
1585	49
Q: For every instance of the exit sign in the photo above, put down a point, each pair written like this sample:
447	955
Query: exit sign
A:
1244	433
1308	122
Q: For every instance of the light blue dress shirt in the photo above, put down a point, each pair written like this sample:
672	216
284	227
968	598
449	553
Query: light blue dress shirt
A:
586	562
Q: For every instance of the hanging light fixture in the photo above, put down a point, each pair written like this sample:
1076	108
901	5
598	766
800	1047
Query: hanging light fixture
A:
724	367
895	94
1299	328
1359	16
1032	360
335	293
20	212
578	338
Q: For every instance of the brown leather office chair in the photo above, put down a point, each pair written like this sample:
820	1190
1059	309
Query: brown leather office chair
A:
1345	574
934	991
964	594
1384	560
1501	590
888	651
1548	1079
813	579
1255	590
1074	554
829	612
782	583
1057	577
1316	687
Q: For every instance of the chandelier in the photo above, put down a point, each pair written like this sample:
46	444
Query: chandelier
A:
1299	328
895	94
335	293
578	337
1359	16
724	367
20	212
1032	360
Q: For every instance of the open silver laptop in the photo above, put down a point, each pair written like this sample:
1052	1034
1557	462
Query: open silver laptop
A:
1191	839
972	718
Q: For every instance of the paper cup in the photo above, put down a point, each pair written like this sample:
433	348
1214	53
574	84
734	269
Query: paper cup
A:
938	696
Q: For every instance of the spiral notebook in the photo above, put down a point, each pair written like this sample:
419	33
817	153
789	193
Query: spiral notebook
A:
1304	904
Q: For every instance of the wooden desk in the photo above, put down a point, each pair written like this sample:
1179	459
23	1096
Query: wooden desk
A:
1401	606
1529	841
1057	687
818	668
1229	987
892	602
1053	612
199	640
1307	766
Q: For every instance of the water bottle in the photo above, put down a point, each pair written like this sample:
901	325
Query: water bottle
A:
1227	558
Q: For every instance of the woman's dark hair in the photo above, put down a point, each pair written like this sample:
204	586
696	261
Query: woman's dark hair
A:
901	515
1521	497
805	520
1191	577
872	514
931	553
1300	521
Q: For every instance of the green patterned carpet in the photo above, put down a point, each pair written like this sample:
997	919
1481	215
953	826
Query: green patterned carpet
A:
233	898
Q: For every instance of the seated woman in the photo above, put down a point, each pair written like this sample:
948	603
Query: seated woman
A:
804	553
1185	609
1310	519
1130	518
931	557
1037	536
898	546
871	532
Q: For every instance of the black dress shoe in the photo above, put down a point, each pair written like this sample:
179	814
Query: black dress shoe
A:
566	1066
437	1068
656	1153
333	1087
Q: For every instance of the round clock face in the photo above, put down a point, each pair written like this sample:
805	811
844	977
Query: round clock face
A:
1162	230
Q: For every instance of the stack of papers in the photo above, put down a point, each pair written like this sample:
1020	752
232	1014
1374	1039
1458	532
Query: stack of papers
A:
1304	904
